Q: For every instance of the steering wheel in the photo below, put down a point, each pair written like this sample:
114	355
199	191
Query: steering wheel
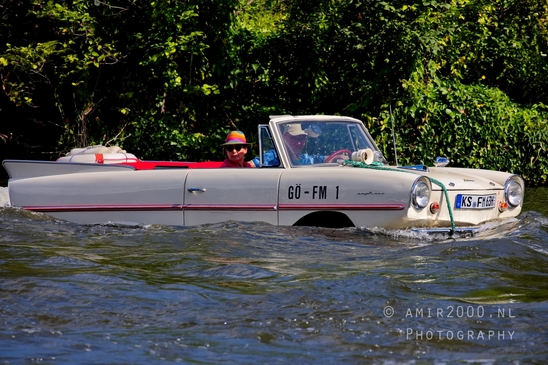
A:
332	156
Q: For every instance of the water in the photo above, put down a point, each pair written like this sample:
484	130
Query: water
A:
243	293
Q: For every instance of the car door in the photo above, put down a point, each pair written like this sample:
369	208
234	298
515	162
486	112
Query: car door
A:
365	196
218	195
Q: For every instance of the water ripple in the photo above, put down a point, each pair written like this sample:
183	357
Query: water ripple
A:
254	293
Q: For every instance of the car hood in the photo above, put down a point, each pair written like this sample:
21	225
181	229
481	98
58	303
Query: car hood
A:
466	179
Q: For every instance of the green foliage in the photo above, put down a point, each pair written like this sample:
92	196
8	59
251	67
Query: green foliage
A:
503	44
169	79
474	126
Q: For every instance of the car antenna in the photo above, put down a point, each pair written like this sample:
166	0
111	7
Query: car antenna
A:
393	136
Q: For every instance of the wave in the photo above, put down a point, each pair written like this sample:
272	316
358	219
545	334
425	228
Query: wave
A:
532	222
4	197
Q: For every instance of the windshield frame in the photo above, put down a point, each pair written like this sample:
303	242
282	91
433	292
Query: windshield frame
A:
357	135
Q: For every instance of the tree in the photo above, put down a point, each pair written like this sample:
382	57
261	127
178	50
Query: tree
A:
138	73
168	79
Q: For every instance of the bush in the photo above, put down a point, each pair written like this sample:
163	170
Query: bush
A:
474	125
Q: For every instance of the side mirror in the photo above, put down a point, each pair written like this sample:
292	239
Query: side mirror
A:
441	161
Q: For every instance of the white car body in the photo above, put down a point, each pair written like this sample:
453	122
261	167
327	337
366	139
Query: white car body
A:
334	194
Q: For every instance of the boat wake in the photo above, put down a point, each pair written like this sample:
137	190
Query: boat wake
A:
4	197
489	230
528	222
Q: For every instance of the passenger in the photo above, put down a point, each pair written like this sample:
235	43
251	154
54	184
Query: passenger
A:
295	139
236	147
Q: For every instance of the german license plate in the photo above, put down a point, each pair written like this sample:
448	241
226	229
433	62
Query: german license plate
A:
476	201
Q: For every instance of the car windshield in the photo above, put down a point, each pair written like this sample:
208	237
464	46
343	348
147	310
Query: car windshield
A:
309	143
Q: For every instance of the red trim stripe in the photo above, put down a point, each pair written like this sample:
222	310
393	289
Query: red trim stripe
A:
257	207
211	207
341	207
103	208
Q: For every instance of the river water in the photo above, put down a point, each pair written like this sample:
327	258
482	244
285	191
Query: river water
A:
241	293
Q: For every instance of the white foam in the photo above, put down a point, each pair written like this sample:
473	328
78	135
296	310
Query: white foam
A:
4	197
493	229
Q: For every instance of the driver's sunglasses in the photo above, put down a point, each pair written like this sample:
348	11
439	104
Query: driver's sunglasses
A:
237	147
301	138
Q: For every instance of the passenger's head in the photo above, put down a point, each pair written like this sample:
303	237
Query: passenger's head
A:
236	147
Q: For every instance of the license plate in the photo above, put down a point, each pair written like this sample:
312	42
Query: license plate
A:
476	201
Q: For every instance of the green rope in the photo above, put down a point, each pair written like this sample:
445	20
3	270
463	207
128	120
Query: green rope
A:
380	166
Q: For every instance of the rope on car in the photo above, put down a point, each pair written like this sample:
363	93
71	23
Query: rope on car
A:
380	166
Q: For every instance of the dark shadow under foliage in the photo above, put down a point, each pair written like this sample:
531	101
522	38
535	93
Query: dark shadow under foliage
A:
168	80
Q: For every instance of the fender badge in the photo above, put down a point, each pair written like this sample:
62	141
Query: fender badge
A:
468	180
372	193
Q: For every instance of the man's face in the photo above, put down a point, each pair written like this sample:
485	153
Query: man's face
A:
295	143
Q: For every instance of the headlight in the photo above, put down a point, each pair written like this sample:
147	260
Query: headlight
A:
513	192
420	194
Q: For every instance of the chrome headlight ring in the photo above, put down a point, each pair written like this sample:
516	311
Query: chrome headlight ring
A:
513	191
420	193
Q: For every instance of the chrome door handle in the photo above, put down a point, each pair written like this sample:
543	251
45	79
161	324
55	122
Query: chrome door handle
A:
193	190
